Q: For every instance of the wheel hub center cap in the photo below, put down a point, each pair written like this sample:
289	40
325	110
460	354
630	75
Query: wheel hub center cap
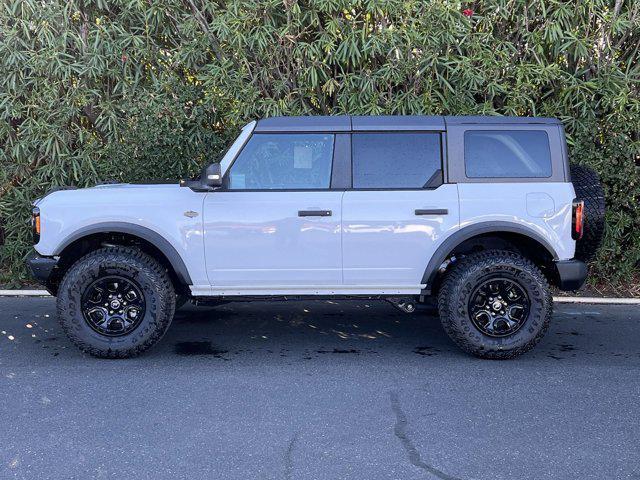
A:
497	305
115	304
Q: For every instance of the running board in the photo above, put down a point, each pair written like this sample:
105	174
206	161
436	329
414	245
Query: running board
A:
311	291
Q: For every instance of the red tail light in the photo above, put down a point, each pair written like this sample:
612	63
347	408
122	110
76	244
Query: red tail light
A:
577	221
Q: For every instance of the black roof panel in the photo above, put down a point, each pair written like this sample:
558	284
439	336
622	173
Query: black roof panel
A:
397	122
347	123
338	123
498	120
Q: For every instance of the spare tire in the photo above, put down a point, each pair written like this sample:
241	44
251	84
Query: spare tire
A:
586	183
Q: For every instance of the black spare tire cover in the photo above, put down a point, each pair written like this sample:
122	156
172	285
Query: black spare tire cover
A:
586	183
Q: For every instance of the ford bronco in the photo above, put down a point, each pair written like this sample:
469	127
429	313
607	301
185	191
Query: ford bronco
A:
482	214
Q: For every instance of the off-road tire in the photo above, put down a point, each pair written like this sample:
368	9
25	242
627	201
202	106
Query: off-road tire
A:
130	263
458	286
586	183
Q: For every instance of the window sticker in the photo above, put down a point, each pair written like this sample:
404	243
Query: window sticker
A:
302	157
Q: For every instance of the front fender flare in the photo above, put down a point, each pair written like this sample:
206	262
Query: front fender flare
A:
144	233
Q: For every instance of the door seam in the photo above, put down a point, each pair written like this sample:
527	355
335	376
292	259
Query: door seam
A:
341	237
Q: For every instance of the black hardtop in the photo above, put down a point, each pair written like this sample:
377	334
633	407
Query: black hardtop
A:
354	123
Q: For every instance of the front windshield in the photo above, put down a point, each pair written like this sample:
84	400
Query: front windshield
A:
236	146
223	152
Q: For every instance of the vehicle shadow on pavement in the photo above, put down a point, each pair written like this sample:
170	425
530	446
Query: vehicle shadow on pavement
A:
325	330
307	330
315	329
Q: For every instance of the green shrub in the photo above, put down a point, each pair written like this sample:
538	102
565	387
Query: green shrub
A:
131	90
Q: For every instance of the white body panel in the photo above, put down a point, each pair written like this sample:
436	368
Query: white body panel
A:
254	243
544	208
160	208
257	238
385	242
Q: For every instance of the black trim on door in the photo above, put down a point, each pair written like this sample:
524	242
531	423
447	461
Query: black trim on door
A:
341	167
314	213
431	211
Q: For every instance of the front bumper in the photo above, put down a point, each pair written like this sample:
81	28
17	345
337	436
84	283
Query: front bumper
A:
571	274
41	267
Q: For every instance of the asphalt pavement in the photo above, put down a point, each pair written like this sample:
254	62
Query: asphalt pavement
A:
320	390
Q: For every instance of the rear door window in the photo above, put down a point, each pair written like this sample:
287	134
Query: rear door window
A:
507	154
396	160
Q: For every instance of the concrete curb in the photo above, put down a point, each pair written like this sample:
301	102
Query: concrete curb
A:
598	300
591	300
24	293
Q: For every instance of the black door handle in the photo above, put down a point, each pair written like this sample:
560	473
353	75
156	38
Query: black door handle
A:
432	211
314	213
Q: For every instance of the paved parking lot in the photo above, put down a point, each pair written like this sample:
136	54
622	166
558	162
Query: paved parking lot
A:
315	390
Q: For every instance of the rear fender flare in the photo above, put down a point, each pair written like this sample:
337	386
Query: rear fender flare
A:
465	233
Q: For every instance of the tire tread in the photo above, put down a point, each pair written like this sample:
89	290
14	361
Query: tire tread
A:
455	277
125	255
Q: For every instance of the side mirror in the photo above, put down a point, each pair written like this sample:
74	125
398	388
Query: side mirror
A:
212	176
210	179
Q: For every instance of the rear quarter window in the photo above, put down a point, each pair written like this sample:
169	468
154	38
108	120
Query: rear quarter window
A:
507	154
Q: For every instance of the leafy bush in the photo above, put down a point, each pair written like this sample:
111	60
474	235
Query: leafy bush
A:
131	89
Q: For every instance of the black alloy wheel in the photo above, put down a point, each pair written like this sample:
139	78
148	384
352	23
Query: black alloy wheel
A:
499	307
113	305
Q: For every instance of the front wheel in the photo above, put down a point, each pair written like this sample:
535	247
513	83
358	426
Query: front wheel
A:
116	302
495	304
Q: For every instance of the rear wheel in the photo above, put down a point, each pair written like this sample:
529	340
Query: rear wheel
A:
495	304
116	302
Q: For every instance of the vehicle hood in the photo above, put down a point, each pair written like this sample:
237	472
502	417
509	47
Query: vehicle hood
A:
113	193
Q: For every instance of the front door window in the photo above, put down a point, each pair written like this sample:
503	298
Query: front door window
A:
283	162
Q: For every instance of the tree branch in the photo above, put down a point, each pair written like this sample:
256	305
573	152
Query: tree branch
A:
202	21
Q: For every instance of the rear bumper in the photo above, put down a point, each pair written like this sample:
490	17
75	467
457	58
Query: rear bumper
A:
41	267
571	274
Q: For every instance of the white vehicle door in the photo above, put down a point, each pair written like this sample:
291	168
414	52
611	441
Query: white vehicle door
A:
274	226
398	210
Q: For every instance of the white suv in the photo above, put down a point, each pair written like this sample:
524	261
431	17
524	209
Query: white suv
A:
478	211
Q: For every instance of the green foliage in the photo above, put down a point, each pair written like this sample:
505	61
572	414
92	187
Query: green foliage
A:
132	89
